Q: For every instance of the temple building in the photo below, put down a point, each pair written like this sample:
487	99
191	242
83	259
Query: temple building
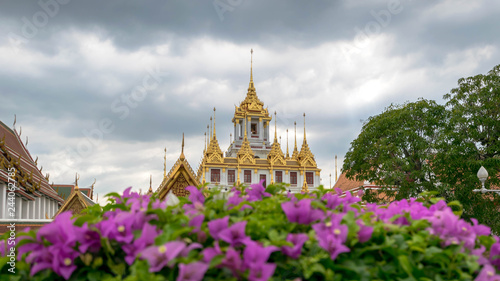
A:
34	201
254	155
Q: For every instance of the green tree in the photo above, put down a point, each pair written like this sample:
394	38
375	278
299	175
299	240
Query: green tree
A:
394	148
470	140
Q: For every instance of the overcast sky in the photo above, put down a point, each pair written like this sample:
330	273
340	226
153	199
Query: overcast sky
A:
101	87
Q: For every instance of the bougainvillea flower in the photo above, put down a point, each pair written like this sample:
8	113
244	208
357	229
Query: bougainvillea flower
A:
365	232
301	211
89	240
147	238
261	272
233	261
235	234
159	256
254	253
488	273
298	241
192	271
234	199
196	222
195	195
495	253
480	229
60	231
210	252
257	191
217	225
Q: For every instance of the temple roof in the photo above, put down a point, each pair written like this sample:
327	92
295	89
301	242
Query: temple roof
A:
13	154
77	201
178	178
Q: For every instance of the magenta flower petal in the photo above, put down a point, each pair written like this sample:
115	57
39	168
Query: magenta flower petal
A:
235	234
217	225
192	272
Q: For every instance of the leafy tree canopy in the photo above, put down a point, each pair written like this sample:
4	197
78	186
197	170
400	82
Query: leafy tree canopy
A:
425	146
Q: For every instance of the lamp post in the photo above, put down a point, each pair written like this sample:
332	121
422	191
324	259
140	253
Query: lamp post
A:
482	174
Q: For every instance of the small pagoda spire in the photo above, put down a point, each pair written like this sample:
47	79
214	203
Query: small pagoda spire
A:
336	178
210	129
165	164
287	154
77	177
92	190
182	157
295	153
208	135
214	124
205	149
305	140
275	129
150	190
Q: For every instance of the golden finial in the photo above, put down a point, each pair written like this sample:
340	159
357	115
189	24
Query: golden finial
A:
251	65
305	140
330	180
205	142
275	130
77	177
92	190
214	124
14	125
295	125
211	135
165	164
336	178
208	135
182	157
287	154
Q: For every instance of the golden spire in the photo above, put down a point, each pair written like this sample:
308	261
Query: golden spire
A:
165	164
182	157
305	154
214	123
150	190
287	154
295	153
275	128
77	177
336	178
251	85
211	135
305	140
92	190
208	135
205	149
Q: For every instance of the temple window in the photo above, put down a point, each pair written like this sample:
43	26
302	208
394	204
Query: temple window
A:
279	176
310	178
215	175
247	176
230	176
293	178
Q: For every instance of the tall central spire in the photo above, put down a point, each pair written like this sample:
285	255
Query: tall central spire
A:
305	140
275	129
251	85
214	123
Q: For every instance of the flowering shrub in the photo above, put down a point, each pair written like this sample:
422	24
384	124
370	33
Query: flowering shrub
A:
258	234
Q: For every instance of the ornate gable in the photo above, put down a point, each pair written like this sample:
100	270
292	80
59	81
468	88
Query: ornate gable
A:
180	176
76	202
